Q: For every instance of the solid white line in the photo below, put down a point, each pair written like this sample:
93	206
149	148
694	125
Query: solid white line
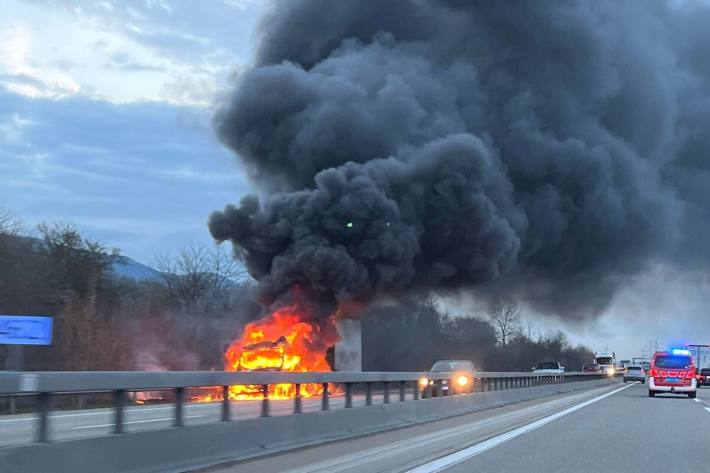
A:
138	410
476	449
349	461
697	400
131	422
707	409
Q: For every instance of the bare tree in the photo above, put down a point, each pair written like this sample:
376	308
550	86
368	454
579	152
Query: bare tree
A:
198	272
504	314
9	224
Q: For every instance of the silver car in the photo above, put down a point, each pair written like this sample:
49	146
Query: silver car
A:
635	373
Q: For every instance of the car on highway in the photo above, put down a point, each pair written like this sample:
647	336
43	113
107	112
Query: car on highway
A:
635	373
672	372
548	367
462	372
704	377
591	368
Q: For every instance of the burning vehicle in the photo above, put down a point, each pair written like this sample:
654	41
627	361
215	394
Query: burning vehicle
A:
286	340
261	356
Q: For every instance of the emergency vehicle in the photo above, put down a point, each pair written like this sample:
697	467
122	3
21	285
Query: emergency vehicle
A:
672	372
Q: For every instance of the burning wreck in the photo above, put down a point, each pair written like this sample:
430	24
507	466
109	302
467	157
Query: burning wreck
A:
283	341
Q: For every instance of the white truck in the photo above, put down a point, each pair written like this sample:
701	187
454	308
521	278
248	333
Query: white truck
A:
606	362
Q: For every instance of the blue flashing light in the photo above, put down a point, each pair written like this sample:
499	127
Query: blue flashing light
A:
680	351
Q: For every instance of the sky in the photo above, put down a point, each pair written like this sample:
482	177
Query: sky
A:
105	116
105	121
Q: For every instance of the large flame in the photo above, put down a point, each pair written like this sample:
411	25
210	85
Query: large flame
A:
283	341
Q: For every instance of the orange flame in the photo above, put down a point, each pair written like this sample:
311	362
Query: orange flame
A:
283	341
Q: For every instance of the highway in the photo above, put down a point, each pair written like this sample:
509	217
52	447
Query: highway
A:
614	429
21	429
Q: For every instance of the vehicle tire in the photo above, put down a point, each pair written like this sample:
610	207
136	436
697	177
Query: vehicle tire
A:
651	393
693	395
643	381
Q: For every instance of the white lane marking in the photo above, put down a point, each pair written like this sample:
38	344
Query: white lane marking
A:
132	422
707	409
100	413
138	410
697	400
349	461
476	449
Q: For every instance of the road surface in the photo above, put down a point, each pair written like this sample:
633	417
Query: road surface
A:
612	429
21	429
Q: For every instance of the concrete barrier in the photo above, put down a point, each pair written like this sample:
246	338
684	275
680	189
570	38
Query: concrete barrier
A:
187	448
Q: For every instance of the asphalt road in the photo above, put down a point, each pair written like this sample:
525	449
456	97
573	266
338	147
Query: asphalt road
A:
610	429
21	429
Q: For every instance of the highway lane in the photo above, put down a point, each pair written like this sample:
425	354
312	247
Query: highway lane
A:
21	429
628	433
614	429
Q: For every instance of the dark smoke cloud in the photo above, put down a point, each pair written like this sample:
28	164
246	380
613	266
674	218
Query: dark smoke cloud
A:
547	149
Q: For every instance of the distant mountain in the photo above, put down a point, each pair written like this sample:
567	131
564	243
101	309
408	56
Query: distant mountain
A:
128	268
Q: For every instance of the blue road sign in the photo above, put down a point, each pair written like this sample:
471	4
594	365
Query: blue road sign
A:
25	330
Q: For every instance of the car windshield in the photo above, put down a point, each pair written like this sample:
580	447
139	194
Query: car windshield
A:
705	371
547	365
634	368
672	361
452	365
605	360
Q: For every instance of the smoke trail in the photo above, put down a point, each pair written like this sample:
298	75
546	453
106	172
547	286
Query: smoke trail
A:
548	149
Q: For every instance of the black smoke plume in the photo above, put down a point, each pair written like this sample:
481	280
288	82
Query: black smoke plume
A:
550	150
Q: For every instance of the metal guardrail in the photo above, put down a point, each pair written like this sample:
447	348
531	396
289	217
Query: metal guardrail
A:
45	385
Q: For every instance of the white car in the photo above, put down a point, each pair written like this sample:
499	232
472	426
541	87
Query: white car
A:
549	367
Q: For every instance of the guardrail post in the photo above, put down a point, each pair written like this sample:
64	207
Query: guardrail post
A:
119	402
401	391
386	399
368	394
265	400
324	401
297	404
348	395
226	411
179	405
43	411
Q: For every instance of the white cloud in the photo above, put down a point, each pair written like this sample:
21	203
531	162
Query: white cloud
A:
120	52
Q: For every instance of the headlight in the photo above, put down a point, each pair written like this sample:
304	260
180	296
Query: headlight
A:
462	380
611	371
423	382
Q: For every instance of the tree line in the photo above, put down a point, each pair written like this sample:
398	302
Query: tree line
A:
199	299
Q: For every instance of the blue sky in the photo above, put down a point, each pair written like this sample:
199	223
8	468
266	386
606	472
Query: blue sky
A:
105	112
